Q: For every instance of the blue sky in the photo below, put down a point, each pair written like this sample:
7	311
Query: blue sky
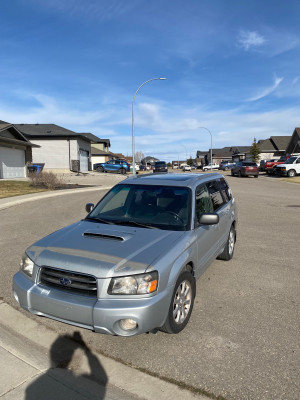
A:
232	66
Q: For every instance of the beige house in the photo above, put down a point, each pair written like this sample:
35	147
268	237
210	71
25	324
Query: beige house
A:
59	149
15	152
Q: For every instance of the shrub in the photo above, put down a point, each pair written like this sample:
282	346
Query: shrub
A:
46	179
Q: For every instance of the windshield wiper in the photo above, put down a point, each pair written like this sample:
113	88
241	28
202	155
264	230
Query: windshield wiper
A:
104	221
134	223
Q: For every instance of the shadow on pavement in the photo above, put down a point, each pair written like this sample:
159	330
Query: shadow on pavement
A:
60	383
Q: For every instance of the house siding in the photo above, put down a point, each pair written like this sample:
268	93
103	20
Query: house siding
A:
53	153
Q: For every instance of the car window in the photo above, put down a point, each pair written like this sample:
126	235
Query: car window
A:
203	202
226	192
152	205
215	195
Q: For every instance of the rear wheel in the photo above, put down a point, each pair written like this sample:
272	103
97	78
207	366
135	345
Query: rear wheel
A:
232	174
181	304
228	251
255	176
291	173
240	174
123	171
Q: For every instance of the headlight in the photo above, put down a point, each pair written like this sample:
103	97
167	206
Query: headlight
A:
134	284
26	265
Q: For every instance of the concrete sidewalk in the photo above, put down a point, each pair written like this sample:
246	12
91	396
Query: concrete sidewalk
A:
38	364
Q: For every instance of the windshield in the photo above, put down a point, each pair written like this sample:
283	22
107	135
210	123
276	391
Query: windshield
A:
291	160
150	206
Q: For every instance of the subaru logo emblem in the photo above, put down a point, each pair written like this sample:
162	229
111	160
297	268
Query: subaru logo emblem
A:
65	281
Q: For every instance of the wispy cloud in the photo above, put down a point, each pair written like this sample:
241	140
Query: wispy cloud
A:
250	39
266	91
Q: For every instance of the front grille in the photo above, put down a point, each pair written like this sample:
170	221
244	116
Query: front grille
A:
69	281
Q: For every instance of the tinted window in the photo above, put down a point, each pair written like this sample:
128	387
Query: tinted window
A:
249	164
225	190
215	194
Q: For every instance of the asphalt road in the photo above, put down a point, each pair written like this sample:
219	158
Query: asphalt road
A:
242	341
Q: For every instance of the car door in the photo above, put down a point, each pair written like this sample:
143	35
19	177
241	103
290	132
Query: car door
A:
110	165
206	235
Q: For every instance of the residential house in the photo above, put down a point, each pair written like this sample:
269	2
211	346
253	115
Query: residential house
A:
294	143
233	153
15	152
60	149
274	147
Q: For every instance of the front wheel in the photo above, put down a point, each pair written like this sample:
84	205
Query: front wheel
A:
227	253
291	173
123	171
181	304
100	169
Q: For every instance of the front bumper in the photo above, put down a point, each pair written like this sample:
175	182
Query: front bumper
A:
99	315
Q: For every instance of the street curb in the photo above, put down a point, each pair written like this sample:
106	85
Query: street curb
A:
44	195
126	378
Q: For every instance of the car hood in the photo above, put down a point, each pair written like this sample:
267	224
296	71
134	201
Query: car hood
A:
102	250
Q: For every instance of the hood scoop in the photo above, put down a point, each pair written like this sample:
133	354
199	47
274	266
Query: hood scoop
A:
96	235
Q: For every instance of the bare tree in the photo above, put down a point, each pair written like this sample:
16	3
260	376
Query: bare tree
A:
139	155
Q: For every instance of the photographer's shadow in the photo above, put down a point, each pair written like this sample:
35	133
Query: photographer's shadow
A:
60	382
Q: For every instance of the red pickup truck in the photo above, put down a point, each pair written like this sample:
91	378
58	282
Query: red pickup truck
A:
271	165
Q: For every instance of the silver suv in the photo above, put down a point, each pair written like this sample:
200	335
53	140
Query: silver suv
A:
131	265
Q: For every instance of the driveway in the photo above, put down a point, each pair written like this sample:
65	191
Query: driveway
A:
242	341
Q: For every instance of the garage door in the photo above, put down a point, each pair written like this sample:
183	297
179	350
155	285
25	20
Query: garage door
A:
12	163
84	160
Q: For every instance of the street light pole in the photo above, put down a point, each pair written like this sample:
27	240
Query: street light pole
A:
133	144
203	127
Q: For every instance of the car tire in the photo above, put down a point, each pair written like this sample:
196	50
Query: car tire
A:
255	176
291	173
181	305
228	251
100	169
240	174
123	171
232	174
226	169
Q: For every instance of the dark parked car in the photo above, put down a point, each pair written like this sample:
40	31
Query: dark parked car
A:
143	168
160	166
225	165
245	168
112	166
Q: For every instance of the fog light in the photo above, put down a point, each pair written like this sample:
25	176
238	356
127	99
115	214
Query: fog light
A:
128	324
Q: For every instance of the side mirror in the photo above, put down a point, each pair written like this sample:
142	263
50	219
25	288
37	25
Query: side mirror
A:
89	207
208	219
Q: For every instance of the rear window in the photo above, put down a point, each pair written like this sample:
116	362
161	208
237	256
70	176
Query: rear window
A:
249	164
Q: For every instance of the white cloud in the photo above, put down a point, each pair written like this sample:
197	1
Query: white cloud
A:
250	39
266	91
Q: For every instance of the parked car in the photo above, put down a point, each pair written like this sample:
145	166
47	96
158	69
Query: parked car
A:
210	166
270	165
131	264
187	168
143	167
160	166
112	166
290	168
225	165
245	168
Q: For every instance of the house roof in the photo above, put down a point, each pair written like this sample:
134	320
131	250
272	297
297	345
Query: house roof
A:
95	139
99	152
11	135
34	131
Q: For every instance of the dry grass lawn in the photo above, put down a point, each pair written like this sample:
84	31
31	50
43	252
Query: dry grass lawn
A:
17	188
292	180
